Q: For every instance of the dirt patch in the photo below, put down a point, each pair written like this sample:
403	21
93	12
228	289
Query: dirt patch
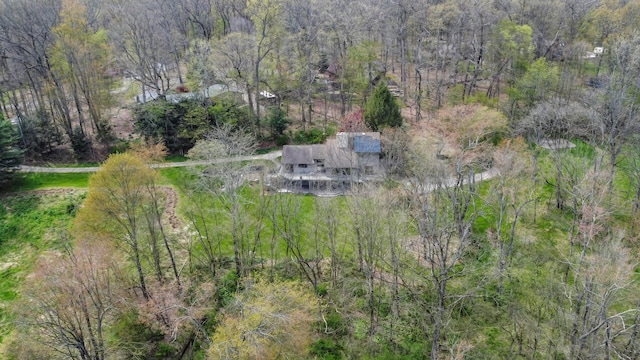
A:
171	196
171	205
556	144
414	247
43	192
7	265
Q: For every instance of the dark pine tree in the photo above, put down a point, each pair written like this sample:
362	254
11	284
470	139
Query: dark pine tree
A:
382	110
10	154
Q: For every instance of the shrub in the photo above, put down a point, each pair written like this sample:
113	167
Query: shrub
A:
311	136
80	143
326	349
266	321
282	140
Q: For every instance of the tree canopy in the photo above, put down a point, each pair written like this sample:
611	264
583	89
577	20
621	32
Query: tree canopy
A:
273	321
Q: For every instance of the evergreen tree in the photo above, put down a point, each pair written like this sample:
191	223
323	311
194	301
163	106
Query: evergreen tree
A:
382	110
10	154
278	122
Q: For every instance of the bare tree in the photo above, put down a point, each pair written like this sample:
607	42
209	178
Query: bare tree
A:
303	21
199	14
601	278
508	200
551	124
200	70
205	233
444	208
266	16
144	43
73	299
290	226
232	61
25	37
227	10
224	181
328	215
616	105
368	231
631	170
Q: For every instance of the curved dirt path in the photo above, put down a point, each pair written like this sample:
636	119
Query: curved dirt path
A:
171	204
272	156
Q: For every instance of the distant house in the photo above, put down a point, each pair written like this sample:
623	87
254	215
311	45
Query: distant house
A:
210	92
333	72
350	157
148	95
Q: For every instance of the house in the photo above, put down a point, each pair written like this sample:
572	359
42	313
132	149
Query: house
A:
350	157
210	92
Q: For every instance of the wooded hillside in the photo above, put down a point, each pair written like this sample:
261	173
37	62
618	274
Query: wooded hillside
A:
505	224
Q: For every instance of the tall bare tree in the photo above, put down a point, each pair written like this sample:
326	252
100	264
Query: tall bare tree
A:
616	105
143	42
74	299
444	209
266	16
224	181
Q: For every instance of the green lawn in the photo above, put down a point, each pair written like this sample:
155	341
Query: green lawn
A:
29	226
37	181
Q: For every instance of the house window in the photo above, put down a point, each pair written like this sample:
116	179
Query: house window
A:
303	166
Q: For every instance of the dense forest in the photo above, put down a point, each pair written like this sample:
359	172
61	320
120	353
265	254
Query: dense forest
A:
505	225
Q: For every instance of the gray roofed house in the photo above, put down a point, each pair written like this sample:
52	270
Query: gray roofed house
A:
347	158
340	158
366	143
319	151
297	154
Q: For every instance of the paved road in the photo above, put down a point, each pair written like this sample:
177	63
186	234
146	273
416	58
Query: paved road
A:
272	156
429	187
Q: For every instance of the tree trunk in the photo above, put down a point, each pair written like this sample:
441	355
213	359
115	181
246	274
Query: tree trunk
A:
143	285
439	318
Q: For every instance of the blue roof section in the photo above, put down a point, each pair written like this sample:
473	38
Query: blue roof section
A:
366	144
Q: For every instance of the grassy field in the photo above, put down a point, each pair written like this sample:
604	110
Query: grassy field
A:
37	181
30	224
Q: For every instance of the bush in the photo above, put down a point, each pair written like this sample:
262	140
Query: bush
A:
335	324
311	136
128	326
326	349
228	288
282	140
80	143
104	133
165	351
322	289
